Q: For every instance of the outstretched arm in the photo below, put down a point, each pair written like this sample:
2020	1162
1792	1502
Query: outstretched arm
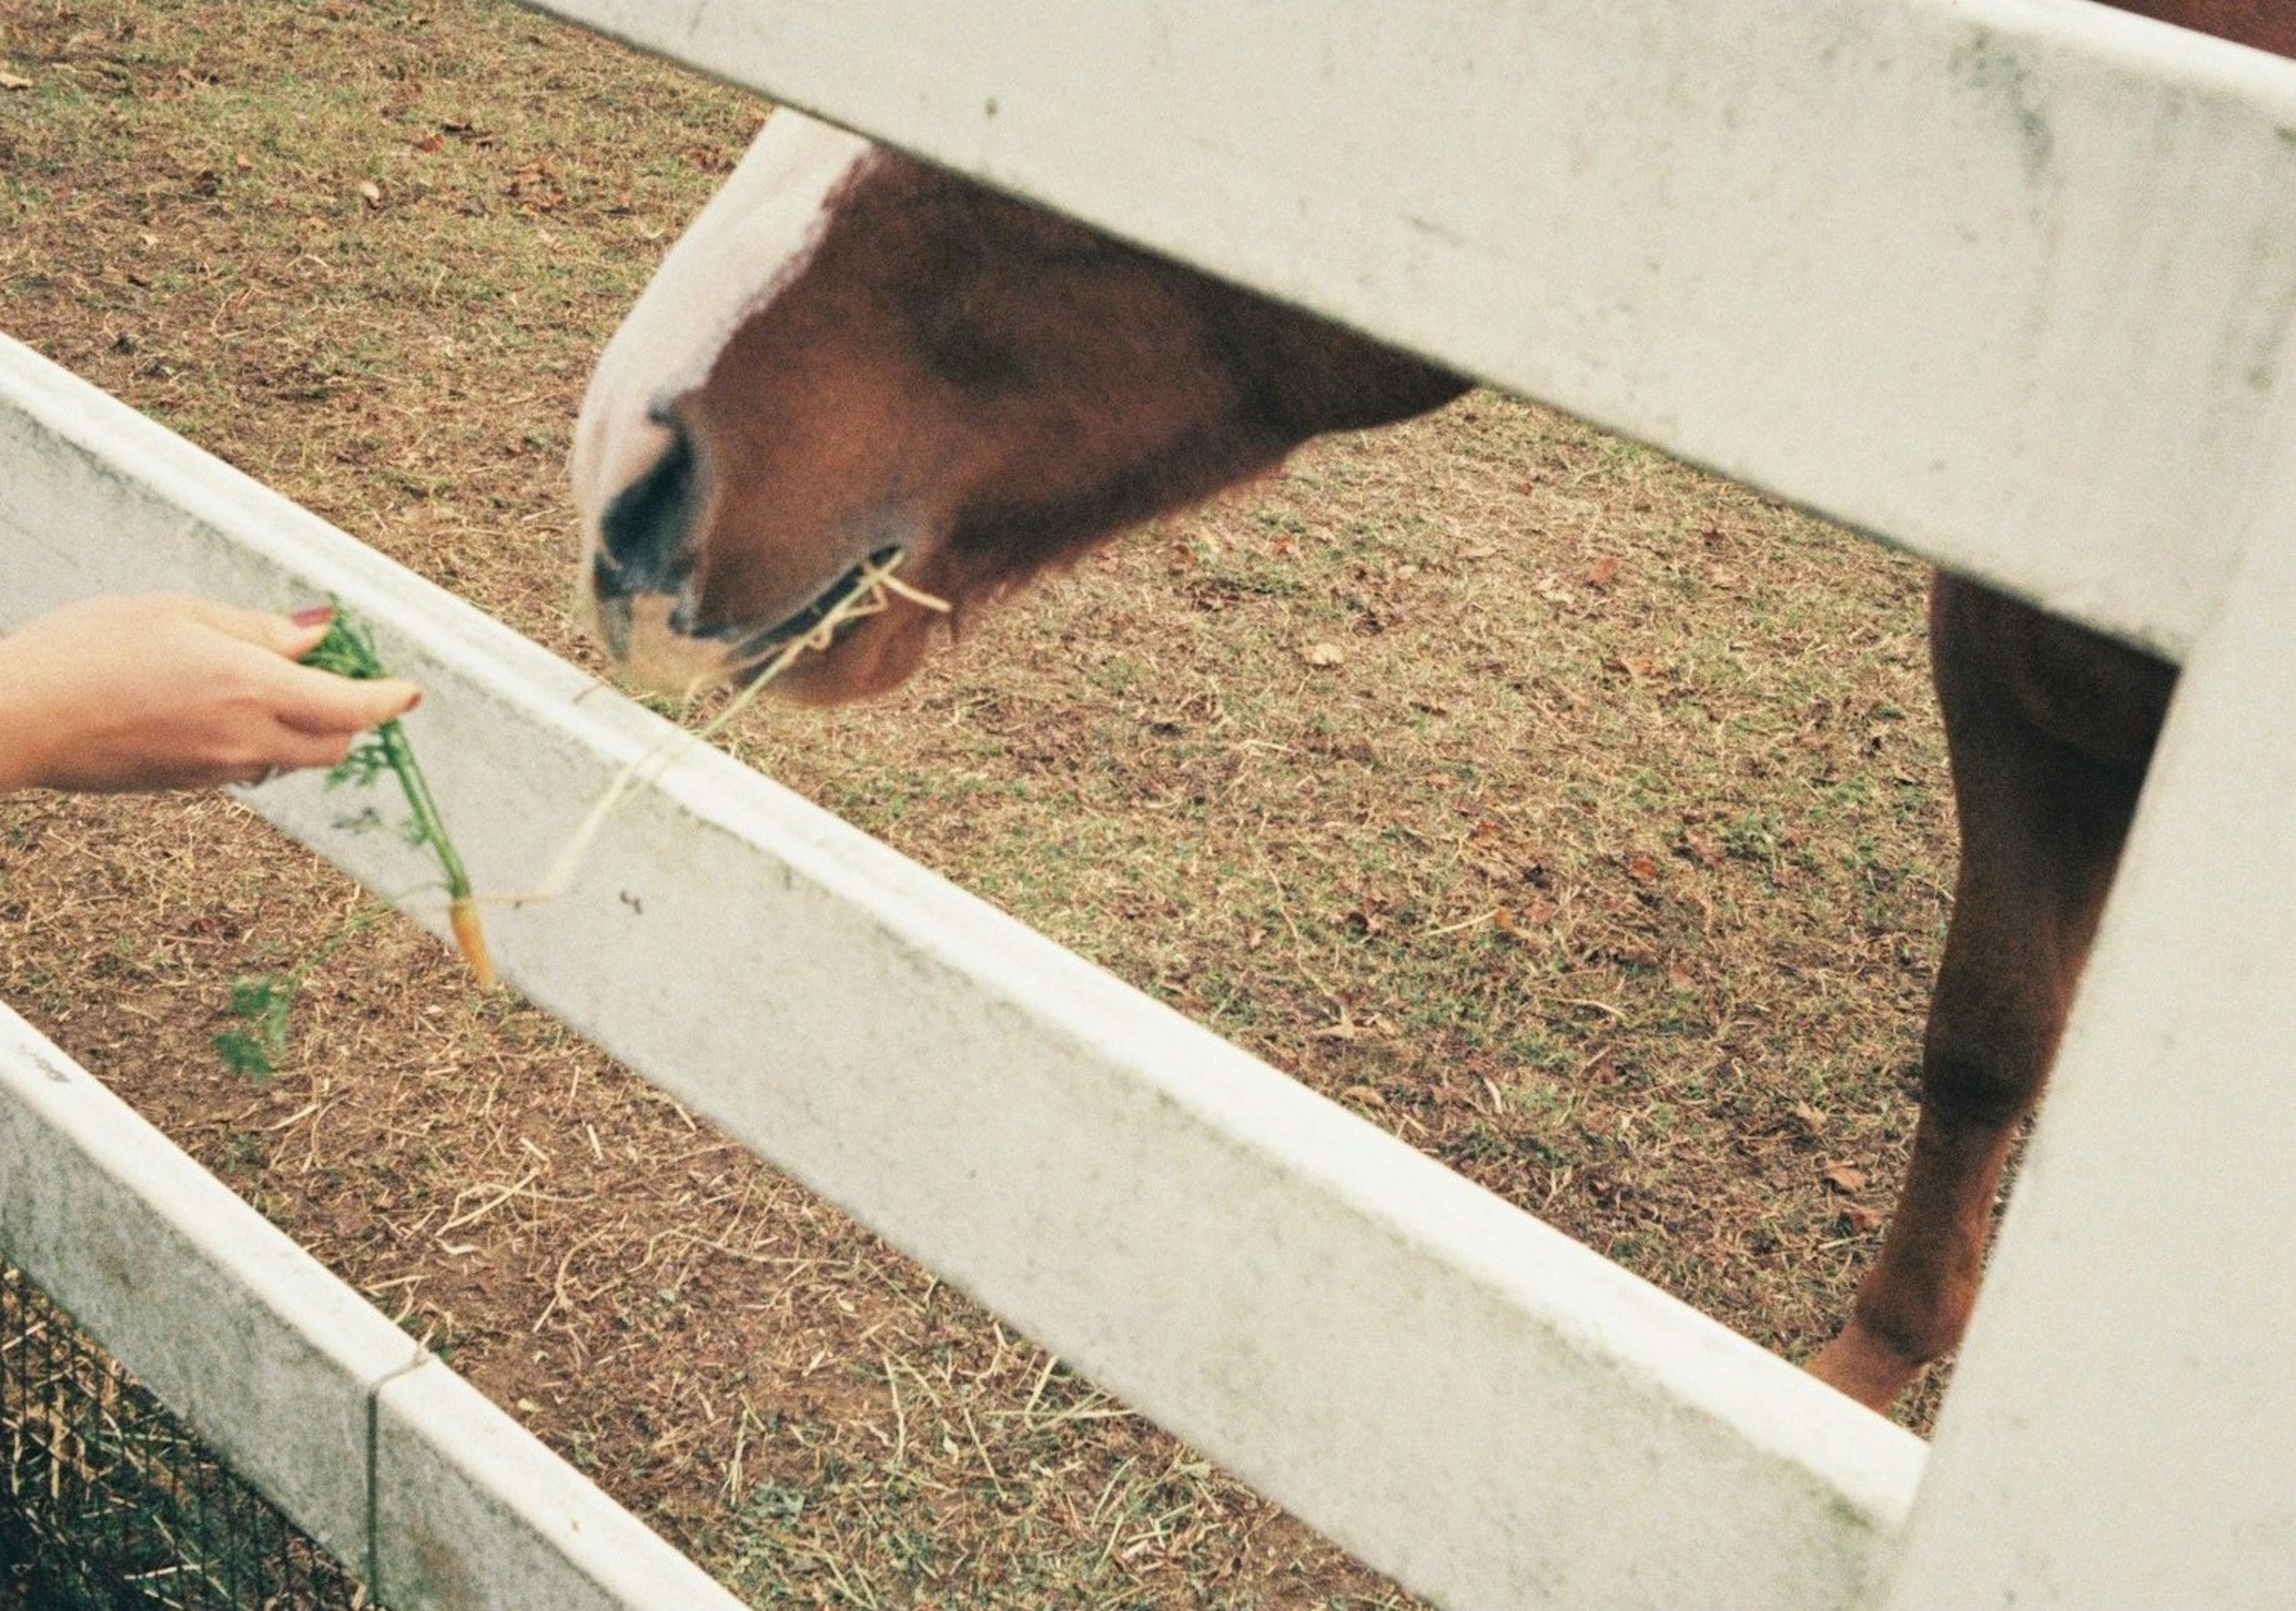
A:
164	692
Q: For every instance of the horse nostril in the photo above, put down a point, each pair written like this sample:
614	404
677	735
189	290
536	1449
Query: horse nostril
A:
644	528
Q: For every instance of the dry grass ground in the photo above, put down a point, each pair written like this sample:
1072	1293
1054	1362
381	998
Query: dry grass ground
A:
1574	816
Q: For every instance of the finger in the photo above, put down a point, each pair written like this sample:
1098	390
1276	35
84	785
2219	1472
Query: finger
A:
291	636
255	773
292	749
316	702
286	750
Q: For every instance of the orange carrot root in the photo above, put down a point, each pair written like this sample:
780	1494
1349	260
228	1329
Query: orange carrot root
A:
471	938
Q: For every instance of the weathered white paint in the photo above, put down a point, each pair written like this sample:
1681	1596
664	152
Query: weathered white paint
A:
1464	1397
471	1514
293	1377
2006	282
2122	1430
233	1326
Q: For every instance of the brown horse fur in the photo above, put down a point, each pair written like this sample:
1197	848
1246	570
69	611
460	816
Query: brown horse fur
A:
995	391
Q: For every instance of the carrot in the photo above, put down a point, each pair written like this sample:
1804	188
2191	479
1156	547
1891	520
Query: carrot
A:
470	939
348	650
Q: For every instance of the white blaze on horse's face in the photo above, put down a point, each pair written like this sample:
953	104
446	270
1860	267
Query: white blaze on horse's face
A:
750	239
852	353
753	238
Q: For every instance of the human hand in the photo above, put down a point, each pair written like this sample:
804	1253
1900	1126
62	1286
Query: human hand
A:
166	691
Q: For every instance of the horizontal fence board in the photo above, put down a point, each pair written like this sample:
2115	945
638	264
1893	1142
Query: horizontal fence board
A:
240	1333
472	1515
1468	1399
2006	282
295	1380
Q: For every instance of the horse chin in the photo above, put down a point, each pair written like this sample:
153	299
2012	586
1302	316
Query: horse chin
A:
871	657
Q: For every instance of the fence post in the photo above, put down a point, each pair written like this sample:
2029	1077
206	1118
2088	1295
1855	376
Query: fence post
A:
2121	1429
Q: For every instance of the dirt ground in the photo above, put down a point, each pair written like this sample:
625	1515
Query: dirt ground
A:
1573	816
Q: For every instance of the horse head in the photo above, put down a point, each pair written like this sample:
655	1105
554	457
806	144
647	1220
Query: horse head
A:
851	354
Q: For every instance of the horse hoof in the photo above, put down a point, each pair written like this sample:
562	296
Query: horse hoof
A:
1863	1368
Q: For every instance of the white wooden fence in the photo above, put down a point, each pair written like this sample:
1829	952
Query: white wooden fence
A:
2008	282
1467	1398
434	1499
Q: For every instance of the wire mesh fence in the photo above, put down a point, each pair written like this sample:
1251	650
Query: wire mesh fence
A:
109	1503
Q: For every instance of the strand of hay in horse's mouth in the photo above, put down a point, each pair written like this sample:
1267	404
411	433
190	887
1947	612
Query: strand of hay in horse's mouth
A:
867	589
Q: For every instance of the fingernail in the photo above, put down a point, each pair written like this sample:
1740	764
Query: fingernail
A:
413	700
318	616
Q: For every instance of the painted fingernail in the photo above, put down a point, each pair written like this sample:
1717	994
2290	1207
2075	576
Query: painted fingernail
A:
413	700
318	616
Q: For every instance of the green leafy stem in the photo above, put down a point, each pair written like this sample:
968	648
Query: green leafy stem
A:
348	650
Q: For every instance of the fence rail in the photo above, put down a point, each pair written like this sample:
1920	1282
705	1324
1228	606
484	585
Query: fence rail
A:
110	1502
2007	281
434	1498
1466	1398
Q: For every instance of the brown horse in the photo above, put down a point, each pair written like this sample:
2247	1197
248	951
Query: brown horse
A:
851	353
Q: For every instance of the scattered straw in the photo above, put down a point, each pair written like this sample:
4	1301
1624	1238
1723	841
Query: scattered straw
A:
872	594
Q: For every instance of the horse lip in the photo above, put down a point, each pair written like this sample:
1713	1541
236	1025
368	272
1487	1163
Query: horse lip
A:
823	605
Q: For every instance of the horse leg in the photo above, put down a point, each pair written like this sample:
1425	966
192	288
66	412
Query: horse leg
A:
2049	729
